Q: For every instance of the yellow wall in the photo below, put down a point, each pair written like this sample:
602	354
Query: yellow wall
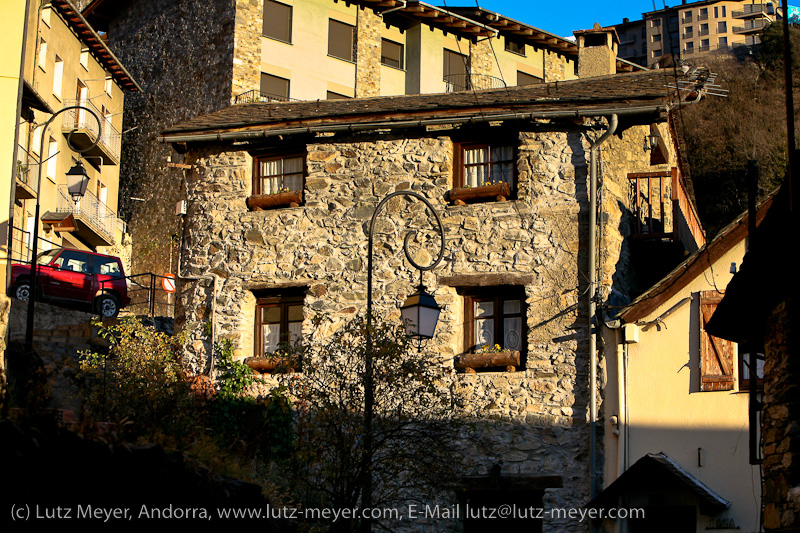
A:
668	413
61	42
12	39
305	61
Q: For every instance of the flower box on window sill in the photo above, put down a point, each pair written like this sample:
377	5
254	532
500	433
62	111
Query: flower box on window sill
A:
272	364
259	202
499	192
470	362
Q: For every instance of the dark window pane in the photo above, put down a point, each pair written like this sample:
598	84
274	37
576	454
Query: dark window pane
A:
340	40
454	64
517	48
336	96
391	53
527	79
277	21
275	86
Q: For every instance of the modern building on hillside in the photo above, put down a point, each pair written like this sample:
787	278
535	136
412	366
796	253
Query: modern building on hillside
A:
687	30
66	63
196	57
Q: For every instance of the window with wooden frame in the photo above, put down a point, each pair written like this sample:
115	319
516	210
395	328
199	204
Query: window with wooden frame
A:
480	164
278	322
341	39
716	355
392	54
495	329
744	370
277	21
515	47
276	174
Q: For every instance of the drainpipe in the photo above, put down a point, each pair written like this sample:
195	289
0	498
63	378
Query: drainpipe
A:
593	151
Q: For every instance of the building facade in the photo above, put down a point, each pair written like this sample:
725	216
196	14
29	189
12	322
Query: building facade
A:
193	58
66	64
688	30
676	401
278	197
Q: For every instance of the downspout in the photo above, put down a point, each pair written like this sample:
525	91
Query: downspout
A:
593	150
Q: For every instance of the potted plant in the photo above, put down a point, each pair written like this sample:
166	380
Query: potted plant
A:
284	197
278	362
488	356
499	191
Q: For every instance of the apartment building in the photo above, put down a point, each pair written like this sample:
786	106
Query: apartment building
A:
690	29
196	57
65	63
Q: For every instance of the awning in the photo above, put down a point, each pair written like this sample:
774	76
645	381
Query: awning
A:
654	472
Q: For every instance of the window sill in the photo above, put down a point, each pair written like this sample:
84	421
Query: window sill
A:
342	59
513	52
277	40
271	365
499	192
471	363
261	202
401	69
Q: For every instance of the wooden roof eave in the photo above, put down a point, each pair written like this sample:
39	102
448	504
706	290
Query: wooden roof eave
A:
567	109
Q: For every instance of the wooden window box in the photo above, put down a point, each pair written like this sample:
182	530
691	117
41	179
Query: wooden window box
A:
469	362
259	202
499	192
272	364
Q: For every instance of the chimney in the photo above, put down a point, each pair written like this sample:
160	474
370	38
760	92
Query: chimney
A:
597	51
625	20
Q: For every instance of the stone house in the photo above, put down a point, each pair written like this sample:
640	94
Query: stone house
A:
676	401
278	196
195	57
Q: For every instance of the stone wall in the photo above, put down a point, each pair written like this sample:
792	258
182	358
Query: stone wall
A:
368	53
554	66
247	46
536	241
780	429
481	61
181	53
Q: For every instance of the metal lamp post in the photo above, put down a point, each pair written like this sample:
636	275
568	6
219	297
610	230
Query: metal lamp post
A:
420	313
77	181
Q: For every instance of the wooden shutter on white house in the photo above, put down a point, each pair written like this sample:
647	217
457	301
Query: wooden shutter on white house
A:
716	355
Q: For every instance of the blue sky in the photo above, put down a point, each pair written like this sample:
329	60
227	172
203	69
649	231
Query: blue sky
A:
562	17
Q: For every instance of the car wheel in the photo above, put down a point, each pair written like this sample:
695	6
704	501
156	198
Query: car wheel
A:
22	290
107	305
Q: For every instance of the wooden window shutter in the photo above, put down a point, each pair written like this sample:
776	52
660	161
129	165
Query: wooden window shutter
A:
716	355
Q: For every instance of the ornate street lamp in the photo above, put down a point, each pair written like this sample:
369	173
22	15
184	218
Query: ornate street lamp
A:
420	313
77	181
73	174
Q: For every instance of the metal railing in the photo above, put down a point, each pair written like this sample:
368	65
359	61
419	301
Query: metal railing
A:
702	17
21	245
751	25
468	82
75	119
254	96
26	173
702	33
753	9
147	295
92	211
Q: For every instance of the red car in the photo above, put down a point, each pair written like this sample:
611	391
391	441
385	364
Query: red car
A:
75	276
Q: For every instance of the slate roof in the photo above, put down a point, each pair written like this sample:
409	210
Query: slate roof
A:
614	93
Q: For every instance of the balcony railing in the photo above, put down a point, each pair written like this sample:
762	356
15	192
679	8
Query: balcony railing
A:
702	17
468	82
85	131
254	96
751	26
90	211
753	10
702	33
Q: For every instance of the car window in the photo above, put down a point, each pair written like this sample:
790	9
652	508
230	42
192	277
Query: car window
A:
108	266
73	260
47	256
